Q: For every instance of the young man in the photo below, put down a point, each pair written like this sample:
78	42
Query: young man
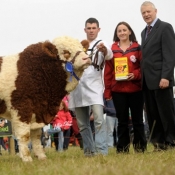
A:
88	95
158	61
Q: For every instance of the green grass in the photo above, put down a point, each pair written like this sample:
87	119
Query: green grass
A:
73	162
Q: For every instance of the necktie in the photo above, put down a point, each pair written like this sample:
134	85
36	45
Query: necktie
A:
148	29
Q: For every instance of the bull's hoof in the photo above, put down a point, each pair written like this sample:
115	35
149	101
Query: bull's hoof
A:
41	157
27	159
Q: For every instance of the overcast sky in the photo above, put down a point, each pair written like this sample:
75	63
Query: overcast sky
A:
24	22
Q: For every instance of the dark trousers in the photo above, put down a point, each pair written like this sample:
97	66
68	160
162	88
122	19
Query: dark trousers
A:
66	134
160	111
2	143
123	102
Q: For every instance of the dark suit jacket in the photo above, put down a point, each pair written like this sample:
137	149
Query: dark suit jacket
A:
158	54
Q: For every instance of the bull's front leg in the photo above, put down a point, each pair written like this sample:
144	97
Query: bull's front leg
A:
22	134
36	144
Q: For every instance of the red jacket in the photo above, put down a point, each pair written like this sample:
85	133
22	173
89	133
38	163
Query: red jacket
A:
63	120
134	67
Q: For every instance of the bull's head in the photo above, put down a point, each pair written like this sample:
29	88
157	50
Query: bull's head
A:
74	58
71	50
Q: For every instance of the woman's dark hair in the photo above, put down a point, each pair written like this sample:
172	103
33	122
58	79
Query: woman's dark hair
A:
132	37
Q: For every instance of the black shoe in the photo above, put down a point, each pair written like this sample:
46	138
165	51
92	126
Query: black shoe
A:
139	148
124	150
142	150
170	145
160	147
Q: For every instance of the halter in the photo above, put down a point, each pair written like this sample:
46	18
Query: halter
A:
69	66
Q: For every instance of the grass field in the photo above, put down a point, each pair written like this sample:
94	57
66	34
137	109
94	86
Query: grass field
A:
73	162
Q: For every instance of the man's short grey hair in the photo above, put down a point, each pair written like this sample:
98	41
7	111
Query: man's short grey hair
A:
148	3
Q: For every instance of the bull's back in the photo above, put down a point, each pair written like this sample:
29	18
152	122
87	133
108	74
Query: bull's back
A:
8	75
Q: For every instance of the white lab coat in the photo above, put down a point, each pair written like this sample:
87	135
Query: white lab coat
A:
90	88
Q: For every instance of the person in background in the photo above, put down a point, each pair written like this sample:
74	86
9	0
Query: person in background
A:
157	66
174	92
66	133
61	123
89	93
92	124
75	129
126	93
2	123
147	131
111	122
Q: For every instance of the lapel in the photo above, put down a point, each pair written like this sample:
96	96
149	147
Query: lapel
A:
151	34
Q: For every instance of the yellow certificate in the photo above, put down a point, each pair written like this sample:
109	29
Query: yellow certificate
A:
121	68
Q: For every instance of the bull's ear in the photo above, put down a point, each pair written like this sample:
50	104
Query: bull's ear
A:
50	49
85	44
66	54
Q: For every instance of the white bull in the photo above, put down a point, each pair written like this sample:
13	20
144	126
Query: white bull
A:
33	83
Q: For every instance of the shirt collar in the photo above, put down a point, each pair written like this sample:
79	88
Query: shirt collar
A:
153	23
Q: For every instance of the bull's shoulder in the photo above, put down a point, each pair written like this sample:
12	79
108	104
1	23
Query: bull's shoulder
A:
40	84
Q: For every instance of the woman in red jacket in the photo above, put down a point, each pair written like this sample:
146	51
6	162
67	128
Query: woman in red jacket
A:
122	79
61	123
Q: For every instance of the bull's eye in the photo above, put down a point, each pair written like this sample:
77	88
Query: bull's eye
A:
66	54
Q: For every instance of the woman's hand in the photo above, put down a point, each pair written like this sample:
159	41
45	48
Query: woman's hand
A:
130	76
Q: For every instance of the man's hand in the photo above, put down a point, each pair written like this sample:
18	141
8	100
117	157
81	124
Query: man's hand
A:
107	99
164	83
102	48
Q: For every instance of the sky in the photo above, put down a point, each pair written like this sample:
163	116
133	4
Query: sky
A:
25	22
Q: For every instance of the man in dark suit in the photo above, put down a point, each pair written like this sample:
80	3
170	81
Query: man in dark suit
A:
158	51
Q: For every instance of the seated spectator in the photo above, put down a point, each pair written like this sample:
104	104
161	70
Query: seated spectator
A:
66	140
75	130
61	123
2	123
2	143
